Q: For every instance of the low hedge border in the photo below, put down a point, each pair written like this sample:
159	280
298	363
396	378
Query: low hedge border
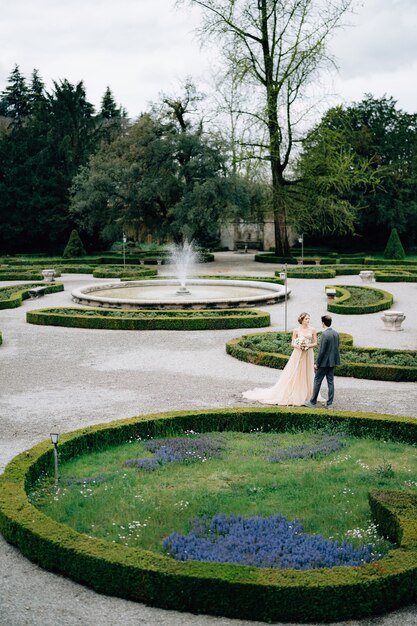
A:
149	320
339	593
123	273
22	293
272	258
341	303
20	274
309	272
368	371
397	277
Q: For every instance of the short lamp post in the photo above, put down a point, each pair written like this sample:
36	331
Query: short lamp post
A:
124	251
283	276
55	439
301	240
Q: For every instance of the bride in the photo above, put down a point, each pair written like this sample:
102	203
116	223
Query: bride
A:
295	384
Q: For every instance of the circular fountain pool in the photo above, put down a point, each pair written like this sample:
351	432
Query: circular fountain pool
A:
163	294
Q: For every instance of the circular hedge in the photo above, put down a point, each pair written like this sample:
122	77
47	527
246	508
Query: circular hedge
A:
236	591
371	300
363	368
145	319
13	295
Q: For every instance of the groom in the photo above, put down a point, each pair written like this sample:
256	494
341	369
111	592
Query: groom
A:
327	359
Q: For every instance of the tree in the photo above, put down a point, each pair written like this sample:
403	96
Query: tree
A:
276	48
394	248
162	175
74	247
15	100
374	132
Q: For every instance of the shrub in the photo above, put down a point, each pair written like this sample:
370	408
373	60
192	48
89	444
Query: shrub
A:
353	300
273	350
340	593
74	247
12	296
394	248
145	319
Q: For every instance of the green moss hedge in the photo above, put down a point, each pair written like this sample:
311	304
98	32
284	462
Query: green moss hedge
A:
366	369
149	320
268	257
13	295
344	303
234	591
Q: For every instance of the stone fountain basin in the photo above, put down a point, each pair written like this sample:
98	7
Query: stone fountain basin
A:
161	294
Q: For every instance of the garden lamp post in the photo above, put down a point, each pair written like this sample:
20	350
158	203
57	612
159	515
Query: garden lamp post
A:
124	251
283	276
55	439
301	240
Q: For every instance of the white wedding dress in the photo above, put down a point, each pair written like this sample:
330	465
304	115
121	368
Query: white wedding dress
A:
295	385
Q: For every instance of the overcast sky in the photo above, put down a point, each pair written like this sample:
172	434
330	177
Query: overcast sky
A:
142	47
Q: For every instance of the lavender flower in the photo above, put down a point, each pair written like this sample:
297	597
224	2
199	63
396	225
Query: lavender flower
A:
178	450
263	542
322	447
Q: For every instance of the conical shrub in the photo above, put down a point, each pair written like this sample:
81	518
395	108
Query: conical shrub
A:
394	248
74	246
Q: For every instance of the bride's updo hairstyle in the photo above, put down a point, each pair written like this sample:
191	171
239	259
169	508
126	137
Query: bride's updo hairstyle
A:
301	317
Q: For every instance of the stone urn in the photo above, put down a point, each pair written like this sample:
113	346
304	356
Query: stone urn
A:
393	320
331	294
48	276
367	276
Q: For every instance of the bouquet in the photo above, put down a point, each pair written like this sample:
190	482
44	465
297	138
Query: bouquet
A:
302	342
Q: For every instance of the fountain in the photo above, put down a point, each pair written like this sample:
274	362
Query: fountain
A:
182	292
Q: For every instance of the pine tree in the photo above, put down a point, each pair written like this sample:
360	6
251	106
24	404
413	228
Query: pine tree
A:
15	99
394	248
74	247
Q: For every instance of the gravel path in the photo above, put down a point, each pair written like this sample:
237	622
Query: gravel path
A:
57	379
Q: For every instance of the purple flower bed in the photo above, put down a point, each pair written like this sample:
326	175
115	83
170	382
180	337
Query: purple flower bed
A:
321	447
263	542
178	450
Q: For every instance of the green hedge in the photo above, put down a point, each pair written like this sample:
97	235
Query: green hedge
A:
12	274
149	320
309	272
366	370
343	306
395	277
119	271
235	591
271	258
13	295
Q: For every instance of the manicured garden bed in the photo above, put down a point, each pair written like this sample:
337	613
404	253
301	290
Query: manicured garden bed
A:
13	295
273	350
237	591
149	319
354	300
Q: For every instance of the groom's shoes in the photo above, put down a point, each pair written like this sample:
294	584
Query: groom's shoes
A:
310	405
329	406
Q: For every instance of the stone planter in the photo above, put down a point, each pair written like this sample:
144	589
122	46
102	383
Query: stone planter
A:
393	320
367	276
331	294
48	276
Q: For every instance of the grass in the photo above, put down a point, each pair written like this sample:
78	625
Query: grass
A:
101	497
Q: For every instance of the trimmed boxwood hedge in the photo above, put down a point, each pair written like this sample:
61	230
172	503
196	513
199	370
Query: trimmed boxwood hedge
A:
343	295
369	371
149	320
14	294
235	591
268	257
119	271
20	274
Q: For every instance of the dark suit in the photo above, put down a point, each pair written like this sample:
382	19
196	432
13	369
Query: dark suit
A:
327	359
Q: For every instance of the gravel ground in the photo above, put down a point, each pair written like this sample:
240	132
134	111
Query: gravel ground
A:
57	379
